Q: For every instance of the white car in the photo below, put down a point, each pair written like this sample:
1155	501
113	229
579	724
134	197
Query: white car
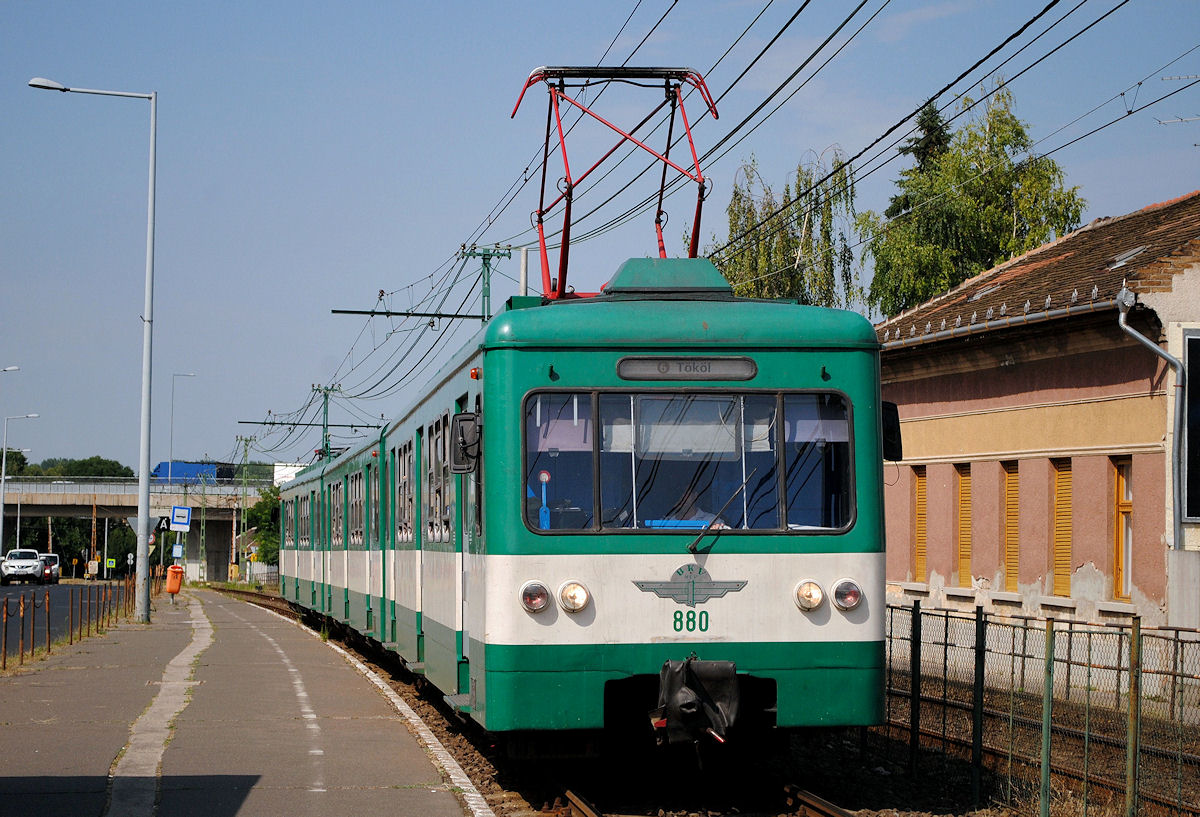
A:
21	566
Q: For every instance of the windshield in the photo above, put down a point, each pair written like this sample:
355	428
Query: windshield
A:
671	461
22	554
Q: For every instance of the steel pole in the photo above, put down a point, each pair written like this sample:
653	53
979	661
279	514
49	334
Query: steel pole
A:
143	533
4	468
3	479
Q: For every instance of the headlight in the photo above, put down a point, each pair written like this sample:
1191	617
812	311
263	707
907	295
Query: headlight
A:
534	597
809	595
573	597
847	595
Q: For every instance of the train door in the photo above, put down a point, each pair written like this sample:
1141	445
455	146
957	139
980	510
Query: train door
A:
419	487
462	526
441	562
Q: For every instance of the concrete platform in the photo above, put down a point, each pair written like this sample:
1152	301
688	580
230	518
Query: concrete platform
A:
217	708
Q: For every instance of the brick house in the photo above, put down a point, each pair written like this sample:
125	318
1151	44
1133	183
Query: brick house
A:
1039	433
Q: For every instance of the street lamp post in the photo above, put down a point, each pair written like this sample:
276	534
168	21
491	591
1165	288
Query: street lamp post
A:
4	467
143	531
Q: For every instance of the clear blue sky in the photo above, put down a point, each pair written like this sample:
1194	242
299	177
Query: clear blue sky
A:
312	154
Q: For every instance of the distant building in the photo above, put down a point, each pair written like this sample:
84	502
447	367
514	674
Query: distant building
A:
1038	435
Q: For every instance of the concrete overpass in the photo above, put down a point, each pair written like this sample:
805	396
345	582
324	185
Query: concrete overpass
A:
216	508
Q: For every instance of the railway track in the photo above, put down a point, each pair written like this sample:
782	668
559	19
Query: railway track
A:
803	803
800	803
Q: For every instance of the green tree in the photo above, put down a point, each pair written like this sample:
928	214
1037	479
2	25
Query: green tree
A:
965	209
796	245
263	516
15	463
95	466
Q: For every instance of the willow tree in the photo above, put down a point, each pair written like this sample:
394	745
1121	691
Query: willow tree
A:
795	245
977	202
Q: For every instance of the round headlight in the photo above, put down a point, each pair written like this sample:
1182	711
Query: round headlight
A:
535	596
847	595
809	595
573	597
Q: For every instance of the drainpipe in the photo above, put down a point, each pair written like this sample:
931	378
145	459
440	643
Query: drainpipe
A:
1126	301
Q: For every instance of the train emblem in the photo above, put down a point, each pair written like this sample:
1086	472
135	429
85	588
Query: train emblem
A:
690	585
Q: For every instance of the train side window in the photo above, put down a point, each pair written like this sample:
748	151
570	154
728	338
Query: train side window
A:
817	461
559	471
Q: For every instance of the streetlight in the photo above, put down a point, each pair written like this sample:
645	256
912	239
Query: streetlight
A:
143	531
4	467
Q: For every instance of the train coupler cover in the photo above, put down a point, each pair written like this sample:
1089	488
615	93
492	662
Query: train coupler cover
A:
695	698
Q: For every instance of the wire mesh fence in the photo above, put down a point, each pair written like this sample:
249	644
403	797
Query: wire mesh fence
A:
1080	719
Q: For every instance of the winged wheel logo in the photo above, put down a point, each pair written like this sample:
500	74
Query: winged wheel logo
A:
691	584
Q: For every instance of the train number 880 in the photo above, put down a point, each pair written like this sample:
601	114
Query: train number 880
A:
691	621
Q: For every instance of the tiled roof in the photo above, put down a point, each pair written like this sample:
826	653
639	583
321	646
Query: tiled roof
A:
1082	271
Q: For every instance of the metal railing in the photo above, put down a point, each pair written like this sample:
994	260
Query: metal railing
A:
122	485
1092	719
42	618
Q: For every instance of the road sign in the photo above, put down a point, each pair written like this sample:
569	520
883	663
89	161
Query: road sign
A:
110	563
177	552
181	518
128	559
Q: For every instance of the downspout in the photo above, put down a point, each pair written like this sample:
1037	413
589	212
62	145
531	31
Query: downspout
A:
1126	301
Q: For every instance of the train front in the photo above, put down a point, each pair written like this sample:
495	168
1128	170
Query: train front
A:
683	534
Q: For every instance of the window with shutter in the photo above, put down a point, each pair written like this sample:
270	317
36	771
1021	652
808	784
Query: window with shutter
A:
964	524
920	571
1062	527
1011	517
1122	529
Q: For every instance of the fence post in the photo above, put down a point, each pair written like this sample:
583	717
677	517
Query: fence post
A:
46	605
4	639
914	688
977	706
32	622
1047	713
70	615
1135	711
21	640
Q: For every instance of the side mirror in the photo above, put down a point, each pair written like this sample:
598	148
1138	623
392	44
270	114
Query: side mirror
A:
893	445
464	442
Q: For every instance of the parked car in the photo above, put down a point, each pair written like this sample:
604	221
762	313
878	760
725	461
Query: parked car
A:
21	566
51	574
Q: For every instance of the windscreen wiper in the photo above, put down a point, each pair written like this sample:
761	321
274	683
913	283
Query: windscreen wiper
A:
692	545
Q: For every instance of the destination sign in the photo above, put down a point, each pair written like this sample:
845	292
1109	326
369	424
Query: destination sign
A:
686	368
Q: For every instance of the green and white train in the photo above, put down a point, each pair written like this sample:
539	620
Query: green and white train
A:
658	509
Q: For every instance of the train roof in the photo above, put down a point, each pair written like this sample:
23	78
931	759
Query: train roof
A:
703	310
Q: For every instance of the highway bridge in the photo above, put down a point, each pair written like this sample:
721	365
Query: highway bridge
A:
216	510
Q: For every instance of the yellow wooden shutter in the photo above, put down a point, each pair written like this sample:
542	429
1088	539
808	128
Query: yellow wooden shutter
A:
919	567
1011	517
964	525
1062	527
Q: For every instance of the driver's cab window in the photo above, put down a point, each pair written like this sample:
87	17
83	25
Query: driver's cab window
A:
559	461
